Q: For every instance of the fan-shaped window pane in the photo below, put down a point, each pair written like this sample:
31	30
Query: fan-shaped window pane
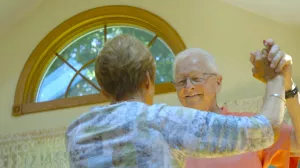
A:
80	87
83	49
141	34
55	81
164	58
61	80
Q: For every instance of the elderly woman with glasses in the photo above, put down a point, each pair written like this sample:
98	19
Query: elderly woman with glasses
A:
133	132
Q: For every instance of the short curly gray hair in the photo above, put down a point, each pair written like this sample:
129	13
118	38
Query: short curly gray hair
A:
122	65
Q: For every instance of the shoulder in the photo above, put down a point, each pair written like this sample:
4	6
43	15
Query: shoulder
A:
225	111
95	113
110	114
248	114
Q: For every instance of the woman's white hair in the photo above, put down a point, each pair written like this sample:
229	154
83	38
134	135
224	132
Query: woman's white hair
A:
206	56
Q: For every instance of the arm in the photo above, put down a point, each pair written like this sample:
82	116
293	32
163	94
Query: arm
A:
206	134
293	107
274	86
295	146
282	63
273	107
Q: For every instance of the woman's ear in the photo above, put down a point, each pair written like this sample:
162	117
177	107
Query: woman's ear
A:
219	83
149	89
148	81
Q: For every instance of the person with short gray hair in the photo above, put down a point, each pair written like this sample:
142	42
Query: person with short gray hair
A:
198	83
133	132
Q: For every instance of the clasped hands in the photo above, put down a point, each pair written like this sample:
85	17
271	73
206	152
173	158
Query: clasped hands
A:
271	61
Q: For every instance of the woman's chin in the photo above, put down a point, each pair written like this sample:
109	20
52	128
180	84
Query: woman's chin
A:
194	101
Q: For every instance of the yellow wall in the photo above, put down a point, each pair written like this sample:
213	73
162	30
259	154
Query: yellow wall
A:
227	32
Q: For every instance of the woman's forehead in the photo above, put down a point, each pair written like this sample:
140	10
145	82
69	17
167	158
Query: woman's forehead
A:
194	69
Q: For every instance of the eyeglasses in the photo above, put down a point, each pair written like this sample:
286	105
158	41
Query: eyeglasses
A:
194	80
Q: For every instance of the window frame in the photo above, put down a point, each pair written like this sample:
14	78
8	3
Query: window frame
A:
66	32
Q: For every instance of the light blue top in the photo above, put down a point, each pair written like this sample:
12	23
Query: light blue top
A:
135	135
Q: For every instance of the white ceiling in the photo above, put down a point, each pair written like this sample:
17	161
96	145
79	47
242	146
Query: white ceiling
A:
12	11
286	11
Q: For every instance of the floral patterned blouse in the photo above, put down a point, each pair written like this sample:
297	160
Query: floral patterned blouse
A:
135	135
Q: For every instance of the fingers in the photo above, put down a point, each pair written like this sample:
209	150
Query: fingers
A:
253	70
273	51
280	66
255	56
270	50
258	55
264	52
252	58
269	61
286	60
268	43
258	59
275	61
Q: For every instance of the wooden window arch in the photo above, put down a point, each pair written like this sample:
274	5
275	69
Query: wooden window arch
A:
50	48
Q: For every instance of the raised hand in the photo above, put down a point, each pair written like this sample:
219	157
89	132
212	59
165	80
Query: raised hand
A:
261	70
280	61
270	61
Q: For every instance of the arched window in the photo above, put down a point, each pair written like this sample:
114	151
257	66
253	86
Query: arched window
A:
60	71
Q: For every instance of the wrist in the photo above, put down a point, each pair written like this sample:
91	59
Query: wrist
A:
277	80
292	92
289	84
275	85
